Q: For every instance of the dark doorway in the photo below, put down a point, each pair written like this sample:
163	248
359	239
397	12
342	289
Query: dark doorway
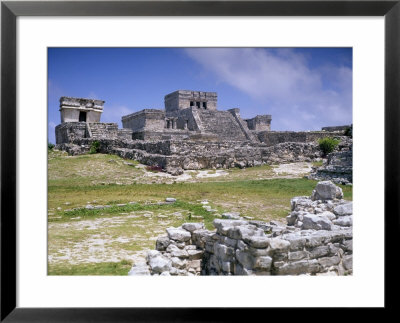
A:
198	105
204	105
82	116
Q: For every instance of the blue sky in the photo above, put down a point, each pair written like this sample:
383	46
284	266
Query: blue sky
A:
302	88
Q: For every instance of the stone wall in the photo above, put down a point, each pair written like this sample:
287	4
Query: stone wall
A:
145	120
173	155
260	123
336	128
276	137
103	130
316	241
67	132
125	134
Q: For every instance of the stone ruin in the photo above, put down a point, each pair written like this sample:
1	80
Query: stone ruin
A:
338	165
190	133
317	240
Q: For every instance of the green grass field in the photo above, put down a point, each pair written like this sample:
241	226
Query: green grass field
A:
107	241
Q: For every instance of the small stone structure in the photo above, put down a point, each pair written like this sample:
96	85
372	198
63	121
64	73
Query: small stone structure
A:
317	240
338	165
80	110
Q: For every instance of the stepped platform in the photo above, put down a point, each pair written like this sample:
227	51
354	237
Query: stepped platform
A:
222	124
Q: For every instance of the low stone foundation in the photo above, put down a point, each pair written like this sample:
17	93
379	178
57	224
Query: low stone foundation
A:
316	241
187	154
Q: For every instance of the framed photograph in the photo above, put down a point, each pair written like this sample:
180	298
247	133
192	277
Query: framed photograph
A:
207	142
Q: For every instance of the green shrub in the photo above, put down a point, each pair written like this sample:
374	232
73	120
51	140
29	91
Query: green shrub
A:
94	147
328	144
349	132
50	146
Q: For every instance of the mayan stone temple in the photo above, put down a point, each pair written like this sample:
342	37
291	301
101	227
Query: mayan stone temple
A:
189	133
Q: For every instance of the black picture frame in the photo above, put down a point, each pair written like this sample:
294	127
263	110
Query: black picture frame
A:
10	10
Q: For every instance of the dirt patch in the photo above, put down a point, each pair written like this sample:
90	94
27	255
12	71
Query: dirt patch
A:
293	169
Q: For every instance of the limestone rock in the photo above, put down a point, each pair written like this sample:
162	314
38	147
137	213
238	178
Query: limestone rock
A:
298	267
174	251
178	263
344	221
344	209
326	190
159	264
348	262
315	222
263	263
279	245
223	252
329	215
245	258
162	243
223	226
193	226
178	234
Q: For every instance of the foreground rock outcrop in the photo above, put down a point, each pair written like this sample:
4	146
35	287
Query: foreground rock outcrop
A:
317	240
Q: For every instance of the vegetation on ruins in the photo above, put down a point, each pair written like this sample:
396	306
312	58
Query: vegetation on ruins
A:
94	147
328	144
50	146
349	132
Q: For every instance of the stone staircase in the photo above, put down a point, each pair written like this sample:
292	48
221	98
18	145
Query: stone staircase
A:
222	124
103	130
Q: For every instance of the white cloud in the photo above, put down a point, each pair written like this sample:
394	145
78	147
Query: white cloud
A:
282	80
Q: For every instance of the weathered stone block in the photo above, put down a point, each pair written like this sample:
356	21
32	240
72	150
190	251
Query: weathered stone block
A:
195	264
348	262
319	252
297	242
223	252
195	254
298	267
326	190
344	209
223	226
329	261
178	234
279	245
316	222
178	263
263	263
348	245
228	241
159	264
162	243
174	251
191	227
344	221
298	255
